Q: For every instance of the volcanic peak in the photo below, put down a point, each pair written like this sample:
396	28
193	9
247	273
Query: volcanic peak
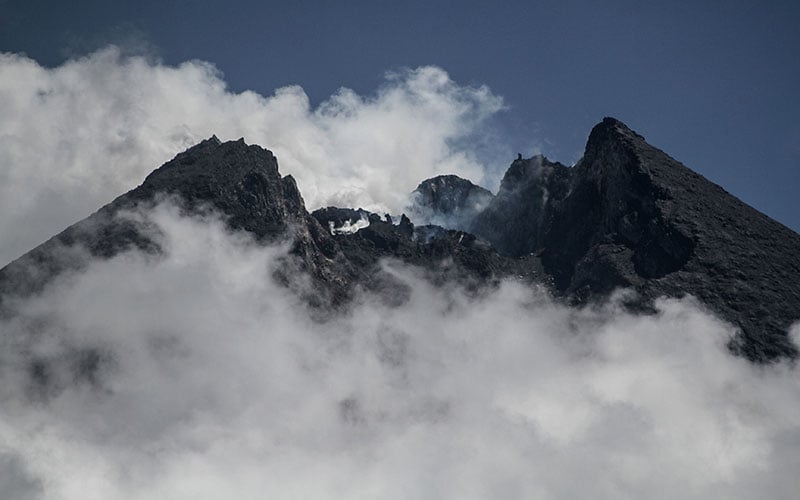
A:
626	215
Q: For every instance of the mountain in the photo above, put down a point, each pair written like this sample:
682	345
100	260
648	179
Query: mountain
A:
448	200
242	183
519	217
627	215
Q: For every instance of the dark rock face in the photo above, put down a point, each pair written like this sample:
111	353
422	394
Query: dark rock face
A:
239	181
627	215
448	201
614	199
518	219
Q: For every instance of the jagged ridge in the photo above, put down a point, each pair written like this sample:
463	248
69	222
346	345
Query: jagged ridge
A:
627	215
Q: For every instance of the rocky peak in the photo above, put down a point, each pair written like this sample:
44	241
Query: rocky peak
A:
519	217
610	131
238	181
241	180
628	215
524	171
448	201
613	199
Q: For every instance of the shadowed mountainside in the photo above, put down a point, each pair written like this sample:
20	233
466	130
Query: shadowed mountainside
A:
628	215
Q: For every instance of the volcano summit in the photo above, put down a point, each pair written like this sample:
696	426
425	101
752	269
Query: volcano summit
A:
626	216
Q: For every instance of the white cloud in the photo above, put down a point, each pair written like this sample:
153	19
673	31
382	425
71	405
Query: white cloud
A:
74	137
222	387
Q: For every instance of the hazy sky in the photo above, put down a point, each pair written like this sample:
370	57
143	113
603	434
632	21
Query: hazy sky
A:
713	83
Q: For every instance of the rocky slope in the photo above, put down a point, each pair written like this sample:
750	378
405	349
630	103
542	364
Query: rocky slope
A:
627	215
239	181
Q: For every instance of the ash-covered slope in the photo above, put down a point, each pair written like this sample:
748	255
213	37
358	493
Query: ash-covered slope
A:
628	215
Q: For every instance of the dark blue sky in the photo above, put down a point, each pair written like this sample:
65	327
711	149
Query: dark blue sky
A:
713	83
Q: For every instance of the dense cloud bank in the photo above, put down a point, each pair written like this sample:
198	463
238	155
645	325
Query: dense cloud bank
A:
75	136
216	384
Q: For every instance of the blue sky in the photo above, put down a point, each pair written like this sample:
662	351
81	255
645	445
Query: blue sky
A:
712	83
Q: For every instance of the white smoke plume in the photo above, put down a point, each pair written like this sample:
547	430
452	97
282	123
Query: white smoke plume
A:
75	136
222	387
